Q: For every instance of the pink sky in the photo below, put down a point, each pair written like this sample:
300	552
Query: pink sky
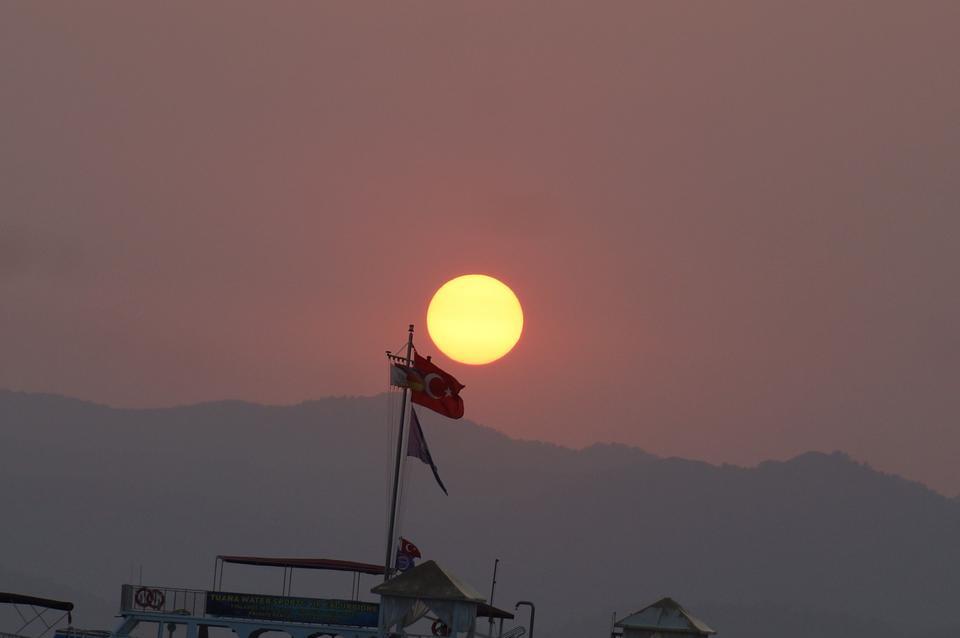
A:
732	227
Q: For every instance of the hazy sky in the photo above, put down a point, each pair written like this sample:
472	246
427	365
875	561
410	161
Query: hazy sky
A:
733	226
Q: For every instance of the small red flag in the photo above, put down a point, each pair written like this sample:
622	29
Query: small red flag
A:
440	391
407	554
406	547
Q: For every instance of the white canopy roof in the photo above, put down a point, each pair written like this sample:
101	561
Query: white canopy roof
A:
428	581
666	615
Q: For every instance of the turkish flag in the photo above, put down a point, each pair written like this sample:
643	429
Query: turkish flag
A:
406	547
439	392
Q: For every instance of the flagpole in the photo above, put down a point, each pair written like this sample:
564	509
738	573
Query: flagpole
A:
392	527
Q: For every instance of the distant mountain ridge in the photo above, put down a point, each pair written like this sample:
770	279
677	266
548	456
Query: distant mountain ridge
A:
821	542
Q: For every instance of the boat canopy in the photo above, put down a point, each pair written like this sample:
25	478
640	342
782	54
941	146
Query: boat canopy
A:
489	611
306	563
20	599
665	615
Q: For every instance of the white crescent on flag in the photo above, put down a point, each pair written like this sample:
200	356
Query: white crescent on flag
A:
428	383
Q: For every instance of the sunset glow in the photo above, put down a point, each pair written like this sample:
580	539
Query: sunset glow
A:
475	319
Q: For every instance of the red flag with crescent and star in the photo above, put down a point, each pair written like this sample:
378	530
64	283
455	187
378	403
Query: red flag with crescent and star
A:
407	554
409	548
440	391
429	386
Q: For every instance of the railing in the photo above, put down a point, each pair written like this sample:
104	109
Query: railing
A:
516	632
262	608
72	632
162	600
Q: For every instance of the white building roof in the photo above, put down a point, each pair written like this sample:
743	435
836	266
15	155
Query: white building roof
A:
666	615
428	581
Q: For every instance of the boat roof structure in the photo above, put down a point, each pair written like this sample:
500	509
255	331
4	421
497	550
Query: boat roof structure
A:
429	580
34	601
489	611
38	608
666	616
329	564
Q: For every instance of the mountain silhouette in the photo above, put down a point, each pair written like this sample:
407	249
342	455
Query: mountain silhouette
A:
816	545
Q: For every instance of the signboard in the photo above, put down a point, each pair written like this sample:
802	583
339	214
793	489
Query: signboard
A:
321	611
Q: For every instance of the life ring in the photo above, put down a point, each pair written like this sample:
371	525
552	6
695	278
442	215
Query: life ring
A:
438	628
150	598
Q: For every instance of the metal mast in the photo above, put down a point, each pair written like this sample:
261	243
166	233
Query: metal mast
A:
392	527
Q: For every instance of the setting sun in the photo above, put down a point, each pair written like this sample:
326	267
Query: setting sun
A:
475	319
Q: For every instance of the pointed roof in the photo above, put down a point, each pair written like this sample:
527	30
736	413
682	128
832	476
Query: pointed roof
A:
428	581
666	615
